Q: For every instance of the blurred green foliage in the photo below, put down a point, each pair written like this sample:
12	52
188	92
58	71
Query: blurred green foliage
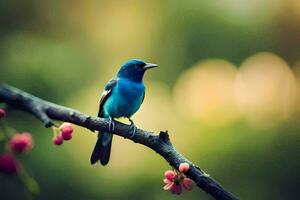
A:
66	51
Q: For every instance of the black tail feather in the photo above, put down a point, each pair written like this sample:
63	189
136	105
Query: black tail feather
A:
102	149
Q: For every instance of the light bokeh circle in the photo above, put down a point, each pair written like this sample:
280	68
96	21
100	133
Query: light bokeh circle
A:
266	90
205	92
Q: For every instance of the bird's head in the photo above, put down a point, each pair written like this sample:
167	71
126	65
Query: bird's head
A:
134	70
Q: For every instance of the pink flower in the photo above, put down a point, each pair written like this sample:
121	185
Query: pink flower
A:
66	131
175	180
2	113
8	164
58	140
21	142
184	167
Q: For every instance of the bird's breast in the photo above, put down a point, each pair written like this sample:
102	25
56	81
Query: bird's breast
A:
125	99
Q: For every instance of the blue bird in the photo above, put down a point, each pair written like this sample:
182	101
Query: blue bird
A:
122	97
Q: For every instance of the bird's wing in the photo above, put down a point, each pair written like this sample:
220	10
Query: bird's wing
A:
106	93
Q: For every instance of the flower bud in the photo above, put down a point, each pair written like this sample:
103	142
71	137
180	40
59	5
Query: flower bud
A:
21	142
58	140
66	131
184	167
2	113
8	164
66	136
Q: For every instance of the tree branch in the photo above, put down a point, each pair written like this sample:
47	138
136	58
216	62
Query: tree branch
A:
160	143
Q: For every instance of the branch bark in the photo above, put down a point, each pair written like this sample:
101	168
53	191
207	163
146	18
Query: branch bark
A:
46	112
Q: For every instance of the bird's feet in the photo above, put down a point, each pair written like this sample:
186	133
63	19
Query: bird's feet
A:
132	128
111	124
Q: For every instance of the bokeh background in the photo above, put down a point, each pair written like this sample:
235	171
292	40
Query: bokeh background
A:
227	90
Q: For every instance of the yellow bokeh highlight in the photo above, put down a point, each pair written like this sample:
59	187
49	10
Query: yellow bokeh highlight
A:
266	90
205	92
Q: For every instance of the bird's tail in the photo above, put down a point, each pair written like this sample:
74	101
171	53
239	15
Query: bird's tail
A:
102	148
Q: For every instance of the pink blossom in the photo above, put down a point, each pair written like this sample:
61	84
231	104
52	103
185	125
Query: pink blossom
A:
58	140
66	131
184	167
21	142
66	136
175	180
2	113
8	164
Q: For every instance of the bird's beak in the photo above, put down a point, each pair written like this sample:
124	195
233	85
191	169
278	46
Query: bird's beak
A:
150	65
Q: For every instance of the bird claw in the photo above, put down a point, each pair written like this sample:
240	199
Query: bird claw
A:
132	128
111	124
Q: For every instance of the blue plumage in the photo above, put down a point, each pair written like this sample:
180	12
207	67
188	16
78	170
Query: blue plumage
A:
122	97
125	99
